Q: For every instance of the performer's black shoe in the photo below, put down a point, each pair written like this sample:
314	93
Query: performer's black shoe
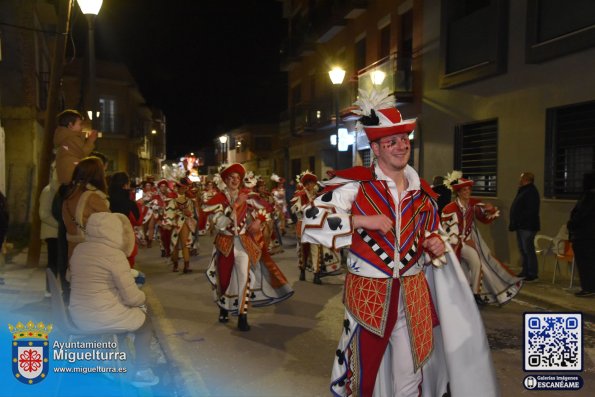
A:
302	274
223	316
317	278
522	274
163	255
243	323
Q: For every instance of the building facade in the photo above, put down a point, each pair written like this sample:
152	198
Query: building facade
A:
132	133
24	74
498	87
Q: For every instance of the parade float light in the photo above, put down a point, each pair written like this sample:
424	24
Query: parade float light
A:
154	132
334	140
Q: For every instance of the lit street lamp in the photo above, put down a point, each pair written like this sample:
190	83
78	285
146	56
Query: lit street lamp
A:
223	141
337	75
91	8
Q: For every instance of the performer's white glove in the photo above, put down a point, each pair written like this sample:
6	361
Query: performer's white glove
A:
437	261
221	221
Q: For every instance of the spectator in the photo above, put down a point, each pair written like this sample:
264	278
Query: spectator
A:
581	228
104	294
443	192
49	224
120	202
524	219
71	144
86	195
71	147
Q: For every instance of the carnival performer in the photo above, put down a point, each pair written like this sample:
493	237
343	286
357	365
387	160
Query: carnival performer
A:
490	280
179	217
238	273
193	194
270	230
203	219
411	326
321	260
165	196
150	211
278	193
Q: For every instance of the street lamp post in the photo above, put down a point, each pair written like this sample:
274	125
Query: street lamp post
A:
337	75
223	141
91	8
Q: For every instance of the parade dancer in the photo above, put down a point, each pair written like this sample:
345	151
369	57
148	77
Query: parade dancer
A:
237	272
150	212
270	231
321	260
203	219
278	193
490	280
179	216
165	196
193	193
411	326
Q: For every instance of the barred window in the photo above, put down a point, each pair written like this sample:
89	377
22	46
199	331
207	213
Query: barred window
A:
570	149
476	155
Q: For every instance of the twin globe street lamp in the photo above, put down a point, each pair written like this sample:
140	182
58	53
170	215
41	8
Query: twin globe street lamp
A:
337	74
91	8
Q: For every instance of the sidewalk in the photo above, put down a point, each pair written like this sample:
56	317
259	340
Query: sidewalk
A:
22	298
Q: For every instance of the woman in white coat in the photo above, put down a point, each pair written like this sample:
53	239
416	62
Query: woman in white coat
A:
103	292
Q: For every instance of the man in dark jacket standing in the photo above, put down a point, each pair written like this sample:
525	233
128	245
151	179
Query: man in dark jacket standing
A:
524	219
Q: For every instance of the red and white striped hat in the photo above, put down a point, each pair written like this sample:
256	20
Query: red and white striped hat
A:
380	117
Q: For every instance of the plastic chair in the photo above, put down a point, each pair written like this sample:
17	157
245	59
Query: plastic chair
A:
60	314
544	246
564	253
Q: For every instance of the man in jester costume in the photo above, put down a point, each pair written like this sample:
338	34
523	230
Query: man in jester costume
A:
411	326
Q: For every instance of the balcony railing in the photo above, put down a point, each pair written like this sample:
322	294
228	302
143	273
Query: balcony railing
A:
393	72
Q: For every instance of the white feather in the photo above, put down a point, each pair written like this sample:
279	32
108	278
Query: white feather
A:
373	99
451	177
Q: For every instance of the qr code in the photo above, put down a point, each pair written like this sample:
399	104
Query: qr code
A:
553	342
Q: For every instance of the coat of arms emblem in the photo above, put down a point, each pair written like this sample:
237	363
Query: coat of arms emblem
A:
30	351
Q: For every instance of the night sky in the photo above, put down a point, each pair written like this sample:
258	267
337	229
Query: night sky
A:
210	65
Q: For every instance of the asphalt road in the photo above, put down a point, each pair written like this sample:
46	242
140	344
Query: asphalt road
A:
291	346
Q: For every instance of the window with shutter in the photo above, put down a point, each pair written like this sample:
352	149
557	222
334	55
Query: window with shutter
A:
476	155
570	149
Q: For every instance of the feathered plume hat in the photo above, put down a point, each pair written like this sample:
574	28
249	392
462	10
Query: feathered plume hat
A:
228	169
455	181
306	177
277	178
184	182
380	117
